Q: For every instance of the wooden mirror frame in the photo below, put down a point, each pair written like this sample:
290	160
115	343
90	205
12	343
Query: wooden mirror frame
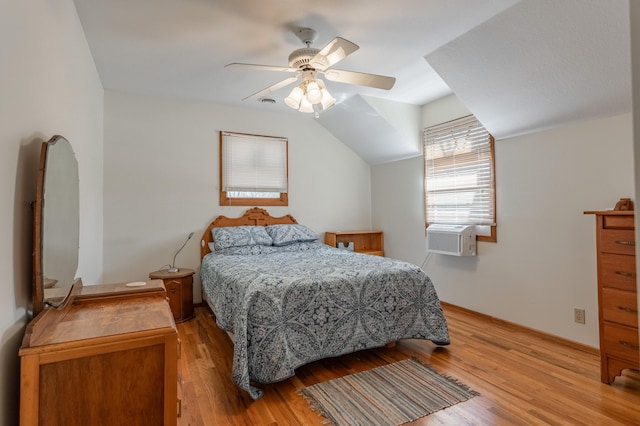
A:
39	296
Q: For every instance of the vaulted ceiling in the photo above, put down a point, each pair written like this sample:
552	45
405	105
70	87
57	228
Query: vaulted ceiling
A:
519	66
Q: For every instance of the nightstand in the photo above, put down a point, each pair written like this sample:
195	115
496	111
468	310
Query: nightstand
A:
179	287
369	242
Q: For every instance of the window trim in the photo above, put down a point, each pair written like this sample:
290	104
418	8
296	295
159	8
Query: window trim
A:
493	237
283	200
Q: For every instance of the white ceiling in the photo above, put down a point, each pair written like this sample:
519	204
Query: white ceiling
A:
541	64
178	48
517	65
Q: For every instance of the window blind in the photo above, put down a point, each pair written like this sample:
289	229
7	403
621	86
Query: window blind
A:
254	163
459	173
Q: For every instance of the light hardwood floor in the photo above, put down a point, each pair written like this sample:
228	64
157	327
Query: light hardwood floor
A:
524	378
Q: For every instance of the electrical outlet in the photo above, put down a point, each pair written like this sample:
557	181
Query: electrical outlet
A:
578	315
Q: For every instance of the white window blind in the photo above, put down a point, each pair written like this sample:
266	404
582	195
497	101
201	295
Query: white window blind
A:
459	173
256	164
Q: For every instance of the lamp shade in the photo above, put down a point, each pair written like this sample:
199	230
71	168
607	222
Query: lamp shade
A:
327	100
305	105
313	92
293	100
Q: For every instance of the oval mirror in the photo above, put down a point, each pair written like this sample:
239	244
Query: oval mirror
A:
56	224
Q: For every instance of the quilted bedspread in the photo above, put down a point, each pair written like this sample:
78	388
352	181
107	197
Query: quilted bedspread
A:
288	306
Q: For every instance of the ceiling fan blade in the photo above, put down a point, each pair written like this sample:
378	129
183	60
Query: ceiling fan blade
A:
260	67
361	79
332	53
272	88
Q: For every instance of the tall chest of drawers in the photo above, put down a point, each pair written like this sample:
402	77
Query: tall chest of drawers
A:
617	293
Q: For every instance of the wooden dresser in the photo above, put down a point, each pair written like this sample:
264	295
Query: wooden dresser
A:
617	299
108	356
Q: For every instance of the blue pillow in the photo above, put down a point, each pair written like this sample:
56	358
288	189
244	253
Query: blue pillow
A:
238	236
289	234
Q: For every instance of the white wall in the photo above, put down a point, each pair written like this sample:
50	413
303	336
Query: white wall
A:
543	264
162	178
49	86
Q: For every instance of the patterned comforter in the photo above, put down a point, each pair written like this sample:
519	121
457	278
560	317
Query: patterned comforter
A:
288	306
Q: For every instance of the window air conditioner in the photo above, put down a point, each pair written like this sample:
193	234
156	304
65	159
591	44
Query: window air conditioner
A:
455	240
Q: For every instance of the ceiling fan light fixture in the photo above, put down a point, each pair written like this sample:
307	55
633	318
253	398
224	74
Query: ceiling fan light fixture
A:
305	105
327	100
314	95
306	63
294	98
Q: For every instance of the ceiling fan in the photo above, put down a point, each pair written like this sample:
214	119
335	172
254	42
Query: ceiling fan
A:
306	63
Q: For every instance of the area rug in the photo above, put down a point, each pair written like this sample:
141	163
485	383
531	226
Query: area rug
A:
389	395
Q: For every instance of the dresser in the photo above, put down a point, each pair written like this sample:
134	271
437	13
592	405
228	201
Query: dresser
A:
369	242
179	287
108	356
617	293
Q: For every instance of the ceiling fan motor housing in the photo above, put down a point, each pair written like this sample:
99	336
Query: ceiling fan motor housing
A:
300	58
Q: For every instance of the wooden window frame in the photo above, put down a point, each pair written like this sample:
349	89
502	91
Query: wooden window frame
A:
283	200
493	237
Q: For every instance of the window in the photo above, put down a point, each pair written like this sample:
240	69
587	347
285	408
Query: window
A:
459	176
253	170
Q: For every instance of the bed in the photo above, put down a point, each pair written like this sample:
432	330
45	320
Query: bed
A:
288	299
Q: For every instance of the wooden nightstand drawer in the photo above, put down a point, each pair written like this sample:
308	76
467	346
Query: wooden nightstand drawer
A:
621	341
620	241
173	294
618	271
620	307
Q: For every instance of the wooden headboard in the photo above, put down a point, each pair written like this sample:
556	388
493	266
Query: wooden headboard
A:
252	217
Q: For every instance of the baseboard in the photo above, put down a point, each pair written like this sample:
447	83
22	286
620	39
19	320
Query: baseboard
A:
540	334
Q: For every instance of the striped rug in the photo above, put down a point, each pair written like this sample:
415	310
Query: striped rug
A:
389	395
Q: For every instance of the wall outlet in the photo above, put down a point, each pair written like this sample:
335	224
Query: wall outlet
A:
578	315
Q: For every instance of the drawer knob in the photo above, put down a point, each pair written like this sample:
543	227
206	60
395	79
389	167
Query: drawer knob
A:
629	345
628	309
625	274
626	242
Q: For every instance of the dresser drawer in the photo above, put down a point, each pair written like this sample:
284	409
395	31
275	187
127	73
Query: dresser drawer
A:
618	221
620	307
618	271
621	341
621	241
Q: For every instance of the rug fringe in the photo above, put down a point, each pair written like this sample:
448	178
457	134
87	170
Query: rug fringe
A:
446	376
317	407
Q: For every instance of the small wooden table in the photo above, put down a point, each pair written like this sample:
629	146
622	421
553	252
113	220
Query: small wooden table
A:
369	242
179	287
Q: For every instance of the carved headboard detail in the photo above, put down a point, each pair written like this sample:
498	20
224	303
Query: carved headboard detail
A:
252	217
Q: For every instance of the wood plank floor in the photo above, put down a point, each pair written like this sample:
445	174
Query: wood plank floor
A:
524	378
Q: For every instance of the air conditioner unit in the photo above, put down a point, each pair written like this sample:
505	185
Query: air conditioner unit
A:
455	240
